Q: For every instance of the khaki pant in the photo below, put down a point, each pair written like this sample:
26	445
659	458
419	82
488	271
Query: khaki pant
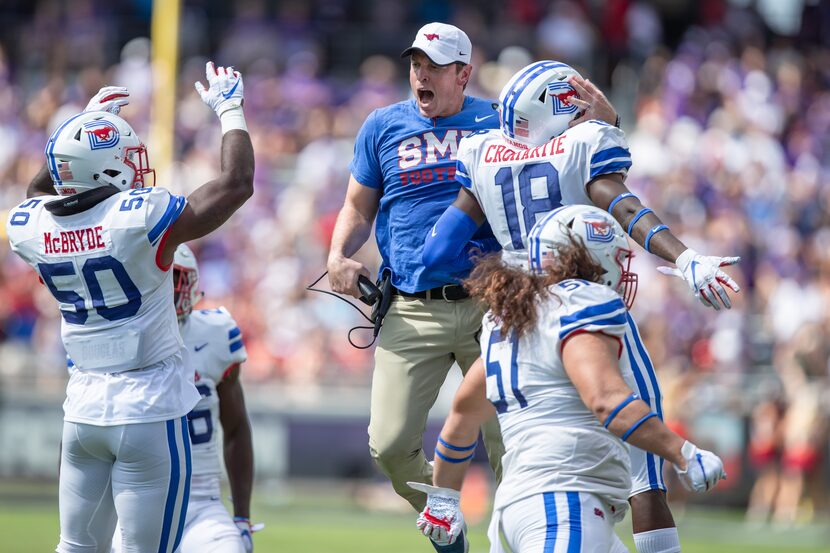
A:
419	342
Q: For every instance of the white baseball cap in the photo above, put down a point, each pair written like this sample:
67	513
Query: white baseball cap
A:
442	43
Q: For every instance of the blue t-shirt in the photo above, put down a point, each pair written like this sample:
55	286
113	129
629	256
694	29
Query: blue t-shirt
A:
411	159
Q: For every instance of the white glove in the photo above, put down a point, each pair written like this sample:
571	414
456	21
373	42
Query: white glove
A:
245	531
703	275
703	468
109	98
225	88
441	520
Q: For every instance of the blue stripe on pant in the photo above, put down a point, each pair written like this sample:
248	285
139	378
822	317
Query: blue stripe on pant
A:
574	522
177	492
552	521
189	471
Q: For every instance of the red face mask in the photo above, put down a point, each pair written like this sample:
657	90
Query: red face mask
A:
136	158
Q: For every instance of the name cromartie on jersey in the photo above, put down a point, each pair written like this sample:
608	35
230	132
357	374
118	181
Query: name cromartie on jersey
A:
499	153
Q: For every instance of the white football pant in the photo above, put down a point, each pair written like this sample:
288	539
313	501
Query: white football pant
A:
559	522
139	473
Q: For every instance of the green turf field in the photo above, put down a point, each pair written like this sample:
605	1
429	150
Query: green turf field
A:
310	521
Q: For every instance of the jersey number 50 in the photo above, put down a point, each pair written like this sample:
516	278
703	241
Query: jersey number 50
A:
89	272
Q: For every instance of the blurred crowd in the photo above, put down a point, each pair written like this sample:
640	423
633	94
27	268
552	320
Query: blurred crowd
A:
727	111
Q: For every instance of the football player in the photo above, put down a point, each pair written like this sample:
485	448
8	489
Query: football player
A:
103	241
531	165
559	368
535	163
214	344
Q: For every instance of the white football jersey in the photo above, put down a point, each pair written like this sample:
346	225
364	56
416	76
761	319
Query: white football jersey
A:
553	441
102	267
214	344
516	187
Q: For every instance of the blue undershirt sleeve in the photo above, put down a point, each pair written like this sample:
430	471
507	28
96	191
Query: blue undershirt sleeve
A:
447	240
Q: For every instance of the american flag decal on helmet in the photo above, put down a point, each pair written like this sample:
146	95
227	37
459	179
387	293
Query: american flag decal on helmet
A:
521	127
102	134
64	172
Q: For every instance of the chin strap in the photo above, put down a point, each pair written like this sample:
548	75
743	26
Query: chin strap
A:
374	326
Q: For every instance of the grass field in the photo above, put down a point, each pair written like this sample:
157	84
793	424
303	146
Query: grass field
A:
308	520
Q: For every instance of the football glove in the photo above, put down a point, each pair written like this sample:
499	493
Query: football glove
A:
109	98
225	88
441	520
703	468
703	275
245	532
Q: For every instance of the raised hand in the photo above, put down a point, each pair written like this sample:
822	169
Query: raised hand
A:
110	99
225	89
592	101
703	275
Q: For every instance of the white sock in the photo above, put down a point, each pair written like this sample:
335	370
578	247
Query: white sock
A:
664	540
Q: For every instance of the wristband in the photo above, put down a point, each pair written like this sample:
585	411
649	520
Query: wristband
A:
633	397
654	230
233	119
455	447
636	425
452	459
636	218
622	196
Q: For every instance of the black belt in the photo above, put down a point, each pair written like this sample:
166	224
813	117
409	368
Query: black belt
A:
448	292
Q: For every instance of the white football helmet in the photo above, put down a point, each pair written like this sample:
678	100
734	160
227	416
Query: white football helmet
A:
94	149
534	106
185	281
601	235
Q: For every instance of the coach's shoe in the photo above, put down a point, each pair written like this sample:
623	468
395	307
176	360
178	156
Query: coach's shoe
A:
461	545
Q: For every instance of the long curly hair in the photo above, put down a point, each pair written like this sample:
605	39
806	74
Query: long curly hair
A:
513	294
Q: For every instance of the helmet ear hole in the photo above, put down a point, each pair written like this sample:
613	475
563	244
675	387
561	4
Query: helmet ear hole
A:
111	172
78	135
542	96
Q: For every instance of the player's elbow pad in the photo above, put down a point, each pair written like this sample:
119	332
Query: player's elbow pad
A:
446	240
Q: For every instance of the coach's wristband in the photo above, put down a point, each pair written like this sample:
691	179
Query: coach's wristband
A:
233	119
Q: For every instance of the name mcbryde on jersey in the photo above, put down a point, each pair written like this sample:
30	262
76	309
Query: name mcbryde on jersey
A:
74	241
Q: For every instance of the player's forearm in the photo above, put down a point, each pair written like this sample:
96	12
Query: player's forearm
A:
351	231
628	417
237	180
655	437
239	460
642	224
41	184
455	449
217	200
662	243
